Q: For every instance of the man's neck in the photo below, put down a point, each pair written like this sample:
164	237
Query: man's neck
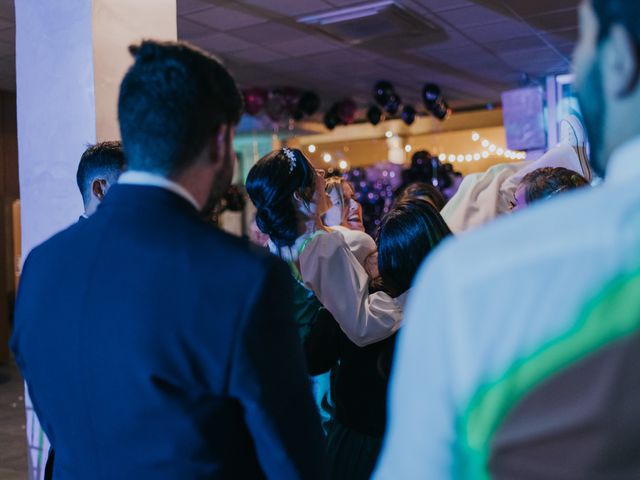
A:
134	177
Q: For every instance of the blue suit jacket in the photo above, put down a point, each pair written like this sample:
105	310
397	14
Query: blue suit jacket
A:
156	346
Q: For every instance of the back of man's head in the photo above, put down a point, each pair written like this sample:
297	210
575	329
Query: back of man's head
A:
103	162
172	102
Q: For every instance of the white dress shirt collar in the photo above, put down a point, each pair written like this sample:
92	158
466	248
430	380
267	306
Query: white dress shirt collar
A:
624	163
135	177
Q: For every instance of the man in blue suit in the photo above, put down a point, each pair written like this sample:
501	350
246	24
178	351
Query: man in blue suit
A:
155	345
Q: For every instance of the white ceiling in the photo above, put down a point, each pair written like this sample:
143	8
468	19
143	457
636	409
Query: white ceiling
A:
486	48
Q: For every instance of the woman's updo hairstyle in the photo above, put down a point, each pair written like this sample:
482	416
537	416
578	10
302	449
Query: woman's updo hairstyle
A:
271	183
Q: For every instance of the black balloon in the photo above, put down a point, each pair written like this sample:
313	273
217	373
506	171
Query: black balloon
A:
309	103
408	114
332	118
374	114
441	110
430	94
393	104
436	105
383	91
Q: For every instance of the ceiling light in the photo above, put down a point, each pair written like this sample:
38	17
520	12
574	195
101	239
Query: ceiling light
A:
461	158
485	154
500	151
475	136
343	164
442	157
407	148
311	148
468	157
346	14
452	158
326	157
492	148
477	156
388	134
485	143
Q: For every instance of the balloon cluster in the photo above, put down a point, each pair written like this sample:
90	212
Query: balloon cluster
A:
428	168
294	104
279	102
340	113
374	188
433	101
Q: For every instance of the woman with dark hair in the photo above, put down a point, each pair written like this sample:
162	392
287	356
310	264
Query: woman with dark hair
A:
290	199
408	234
423	191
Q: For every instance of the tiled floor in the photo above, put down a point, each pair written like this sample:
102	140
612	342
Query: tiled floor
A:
13	444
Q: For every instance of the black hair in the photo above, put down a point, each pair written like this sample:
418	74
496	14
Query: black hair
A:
172	101
271	183
622	12
423	191
104	160
408	233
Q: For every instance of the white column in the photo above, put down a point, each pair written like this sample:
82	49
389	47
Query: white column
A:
70	58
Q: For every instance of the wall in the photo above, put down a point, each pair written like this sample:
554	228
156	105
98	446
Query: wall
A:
9	192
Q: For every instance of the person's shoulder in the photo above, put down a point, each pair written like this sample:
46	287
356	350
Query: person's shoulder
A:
356	237
566	226
216	244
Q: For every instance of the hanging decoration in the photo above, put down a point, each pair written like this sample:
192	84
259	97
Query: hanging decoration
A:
309	103
434	102
254	100
408	114
374	115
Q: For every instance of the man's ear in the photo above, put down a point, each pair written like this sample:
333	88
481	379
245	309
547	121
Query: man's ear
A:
622	62
219	143
99	188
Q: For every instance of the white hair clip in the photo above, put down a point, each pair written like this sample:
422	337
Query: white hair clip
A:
292	158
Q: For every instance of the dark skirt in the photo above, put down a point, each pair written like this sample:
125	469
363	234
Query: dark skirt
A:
351	455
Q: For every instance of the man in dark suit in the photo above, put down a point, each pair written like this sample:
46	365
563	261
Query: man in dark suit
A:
99	168
155	345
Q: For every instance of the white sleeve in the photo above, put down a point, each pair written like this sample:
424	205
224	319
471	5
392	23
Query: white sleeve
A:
341	284
419	443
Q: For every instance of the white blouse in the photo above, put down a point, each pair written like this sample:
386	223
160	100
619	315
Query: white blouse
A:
338	279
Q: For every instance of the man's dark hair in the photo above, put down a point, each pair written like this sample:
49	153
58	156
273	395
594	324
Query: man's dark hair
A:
104	160
172	101
622	12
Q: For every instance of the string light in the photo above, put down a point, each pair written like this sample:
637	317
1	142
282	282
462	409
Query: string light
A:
494	149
